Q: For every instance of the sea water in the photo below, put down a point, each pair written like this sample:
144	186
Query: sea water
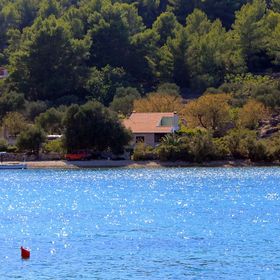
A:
177	223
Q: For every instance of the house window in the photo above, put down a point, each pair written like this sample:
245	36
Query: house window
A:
139	139
158	137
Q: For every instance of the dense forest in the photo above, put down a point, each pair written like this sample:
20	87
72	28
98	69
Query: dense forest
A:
115	52
71	51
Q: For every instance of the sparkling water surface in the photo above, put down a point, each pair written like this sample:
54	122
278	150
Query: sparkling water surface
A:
176	223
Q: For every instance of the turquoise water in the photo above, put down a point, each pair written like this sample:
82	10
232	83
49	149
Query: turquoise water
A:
192	223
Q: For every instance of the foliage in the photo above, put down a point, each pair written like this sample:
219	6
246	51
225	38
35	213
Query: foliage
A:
41	45
249	32
124	99
143	152
243	87
55	146
3	145
210	111
92	126
102	84
173	147
238	141
110	44
251	113
51	121
202	147
14	123
35	108
9	102
169	88
30	140
158	102
115	51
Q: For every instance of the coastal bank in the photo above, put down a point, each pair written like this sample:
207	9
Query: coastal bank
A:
139	164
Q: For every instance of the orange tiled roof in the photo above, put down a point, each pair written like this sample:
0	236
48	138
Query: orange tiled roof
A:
148	123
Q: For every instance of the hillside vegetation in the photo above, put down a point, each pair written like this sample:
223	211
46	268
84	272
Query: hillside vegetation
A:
133	54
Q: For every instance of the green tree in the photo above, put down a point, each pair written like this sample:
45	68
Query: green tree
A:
49	7
210	111
238	141
102	84
173	59
251	113
275	5
111	30
30	140
165	26
14	123
50	121
169	88
124	99
159	102
210	54
34	108
260	87
249	33
92	126
40	69
182	8
273	36
11	101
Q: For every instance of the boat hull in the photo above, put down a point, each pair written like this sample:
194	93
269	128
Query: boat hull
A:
13	166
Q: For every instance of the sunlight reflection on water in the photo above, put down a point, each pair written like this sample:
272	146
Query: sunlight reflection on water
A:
184	223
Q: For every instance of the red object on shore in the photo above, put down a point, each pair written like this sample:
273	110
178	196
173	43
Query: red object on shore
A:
25	254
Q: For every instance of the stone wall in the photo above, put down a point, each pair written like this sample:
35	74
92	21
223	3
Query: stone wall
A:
25	157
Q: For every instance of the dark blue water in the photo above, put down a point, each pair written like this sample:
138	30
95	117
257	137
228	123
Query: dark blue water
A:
196	223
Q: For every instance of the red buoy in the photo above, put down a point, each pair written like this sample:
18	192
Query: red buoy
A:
25	254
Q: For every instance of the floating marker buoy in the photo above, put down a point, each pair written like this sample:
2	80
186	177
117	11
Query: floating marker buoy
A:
25	254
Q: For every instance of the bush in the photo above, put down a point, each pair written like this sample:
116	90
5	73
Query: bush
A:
237	142
50	121
12	149
11	101
273	146
35	108
144	152
169	152
30	140
3	145
257	151
202	147
174	148
221	149
55	146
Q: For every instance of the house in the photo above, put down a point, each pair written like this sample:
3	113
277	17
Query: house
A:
151	127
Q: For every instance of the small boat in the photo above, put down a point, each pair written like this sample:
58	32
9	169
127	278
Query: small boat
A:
11	165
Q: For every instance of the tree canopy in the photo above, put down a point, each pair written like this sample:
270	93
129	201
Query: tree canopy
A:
86	49
92	126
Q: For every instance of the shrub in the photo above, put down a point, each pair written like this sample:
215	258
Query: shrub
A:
251	113
55	146
174	148
257	151
273	146
143	152
202	147
35	108
169	152
3	145
30	140
221	149
237	142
